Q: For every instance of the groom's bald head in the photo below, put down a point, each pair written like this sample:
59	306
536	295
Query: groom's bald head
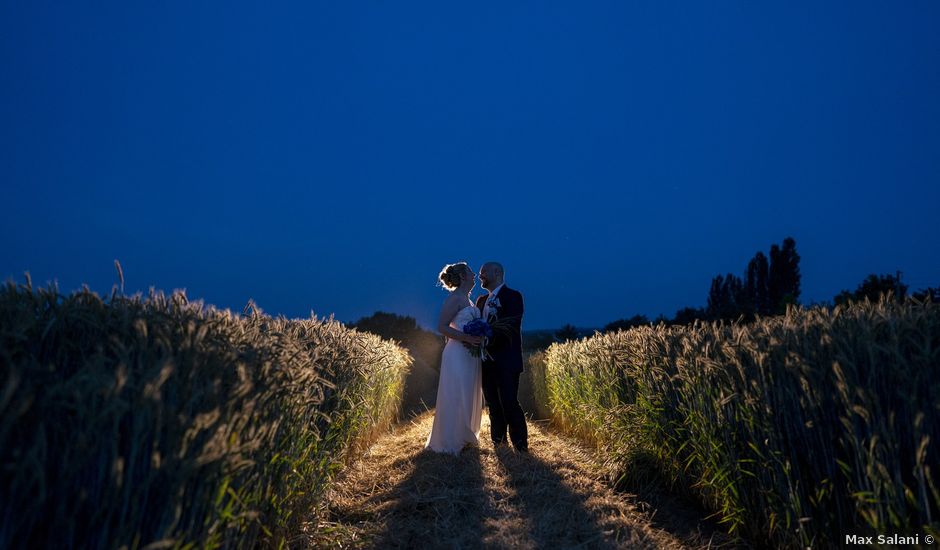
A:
491	275
496	267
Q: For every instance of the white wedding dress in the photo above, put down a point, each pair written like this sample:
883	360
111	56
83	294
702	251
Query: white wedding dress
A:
459	394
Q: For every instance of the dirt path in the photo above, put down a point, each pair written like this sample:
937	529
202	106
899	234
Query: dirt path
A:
399	496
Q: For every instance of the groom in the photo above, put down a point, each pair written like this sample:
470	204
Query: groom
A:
503	307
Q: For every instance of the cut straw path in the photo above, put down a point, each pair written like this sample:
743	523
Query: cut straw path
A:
400	496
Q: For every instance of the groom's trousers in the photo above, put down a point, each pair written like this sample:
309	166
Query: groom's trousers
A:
501	390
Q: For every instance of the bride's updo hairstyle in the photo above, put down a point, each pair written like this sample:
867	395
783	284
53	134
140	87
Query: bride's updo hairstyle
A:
450	275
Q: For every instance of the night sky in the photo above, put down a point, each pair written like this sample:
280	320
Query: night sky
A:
333	156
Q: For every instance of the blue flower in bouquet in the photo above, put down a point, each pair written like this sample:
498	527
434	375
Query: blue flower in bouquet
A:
478	327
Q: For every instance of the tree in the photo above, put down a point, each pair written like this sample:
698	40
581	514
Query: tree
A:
688	315
424	345
388	325
873	288
767	287
783	280
537	340
627	324
567	332
724	297
756	289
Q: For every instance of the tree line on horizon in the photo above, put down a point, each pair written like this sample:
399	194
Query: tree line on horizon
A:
770	283
768	286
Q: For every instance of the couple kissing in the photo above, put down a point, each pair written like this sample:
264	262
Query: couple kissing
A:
481	359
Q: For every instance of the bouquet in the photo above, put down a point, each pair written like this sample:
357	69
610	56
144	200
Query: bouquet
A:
478	327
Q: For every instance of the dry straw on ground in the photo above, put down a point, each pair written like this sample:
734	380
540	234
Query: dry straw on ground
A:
401	496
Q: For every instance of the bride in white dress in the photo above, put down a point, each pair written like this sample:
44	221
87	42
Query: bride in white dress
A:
460	389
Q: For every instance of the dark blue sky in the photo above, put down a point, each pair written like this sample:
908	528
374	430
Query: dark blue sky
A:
333	156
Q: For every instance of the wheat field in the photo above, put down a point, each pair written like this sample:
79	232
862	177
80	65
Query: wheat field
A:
794	430
158	422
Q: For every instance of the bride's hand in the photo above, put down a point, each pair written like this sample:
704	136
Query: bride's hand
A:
473	340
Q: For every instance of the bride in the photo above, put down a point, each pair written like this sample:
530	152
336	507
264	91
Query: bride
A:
459	391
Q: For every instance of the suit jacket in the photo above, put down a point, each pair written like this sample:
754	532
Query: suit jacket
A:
506	346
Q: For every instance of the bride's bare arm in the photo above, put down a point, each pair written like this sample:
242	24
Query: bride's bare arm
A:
450	308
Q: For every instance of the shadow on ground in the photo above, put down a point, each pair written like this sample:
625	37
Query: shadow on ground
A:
440	504
557	515
401	496
669	510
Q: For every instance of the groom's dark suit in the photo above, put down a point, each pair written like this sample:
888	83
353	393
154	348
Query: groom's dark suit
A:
501	373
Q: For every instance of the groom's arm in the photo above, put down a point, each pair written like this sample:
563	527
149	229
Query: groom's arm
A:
511	312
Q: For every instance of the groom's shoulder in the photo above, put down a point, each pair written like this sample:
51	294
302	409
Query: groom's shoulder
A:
513	291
